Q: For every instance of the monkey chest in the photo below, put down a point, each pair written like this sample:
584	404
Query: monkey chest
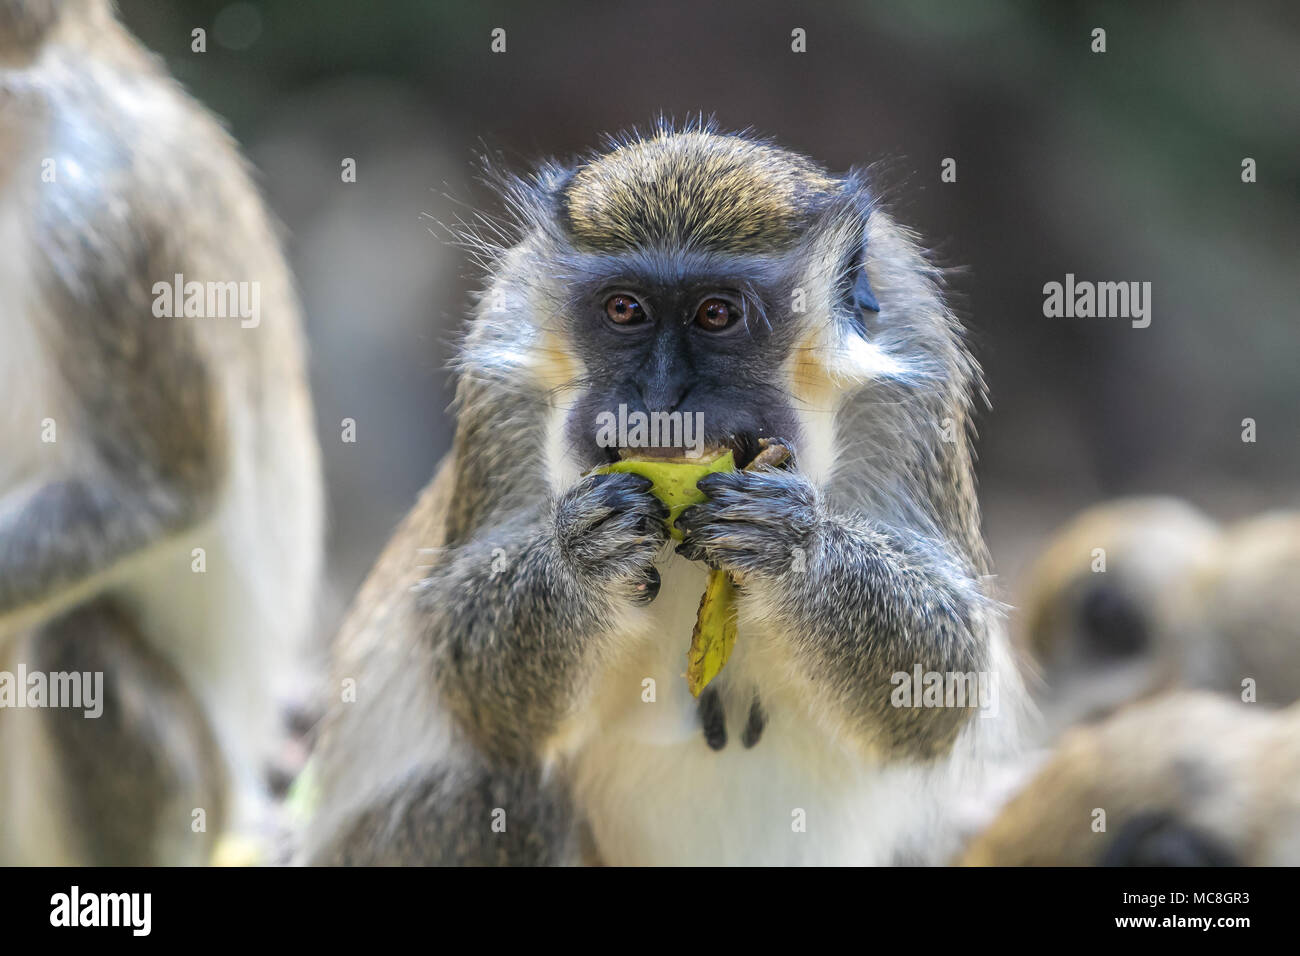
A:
793	797
743	775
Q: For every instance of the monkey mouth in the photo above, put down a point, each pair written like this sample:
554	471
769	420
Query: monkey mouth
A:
744	448
678	455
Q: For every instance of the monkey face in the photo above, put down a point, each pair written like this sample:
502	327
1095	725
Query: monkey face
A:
682	254
692	291
679	365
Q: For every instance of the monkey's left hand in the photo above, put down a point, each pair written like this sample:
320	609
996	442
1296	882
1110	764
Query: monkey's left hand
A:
762	522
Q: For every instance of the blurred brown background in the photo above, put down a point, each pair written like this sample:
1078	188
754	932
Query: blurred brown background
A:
1123	166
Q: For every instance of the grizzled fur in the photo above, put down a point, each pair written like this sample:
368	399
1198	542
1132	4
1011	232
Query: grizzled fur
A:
530	659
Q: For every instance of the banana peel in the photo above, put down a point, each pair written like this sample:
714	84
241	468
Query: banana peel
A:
674	483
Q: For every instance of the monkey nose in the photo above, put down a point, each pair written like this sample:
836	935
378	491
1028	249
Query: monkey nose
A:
663	396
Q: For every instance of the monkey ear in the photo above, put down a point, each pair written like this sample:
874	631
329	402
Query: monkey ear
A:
863	296
859	297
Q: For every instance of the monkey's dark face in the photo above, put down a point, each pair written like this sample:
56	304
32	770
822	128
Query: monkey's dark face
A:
679	360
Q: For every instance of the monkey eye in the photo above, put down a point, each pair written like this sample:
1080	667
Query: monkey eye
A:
624	310
714	315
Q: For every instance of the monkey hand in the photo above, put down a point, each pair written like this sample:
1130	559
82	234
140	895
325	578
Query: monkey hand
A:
610	528
762	523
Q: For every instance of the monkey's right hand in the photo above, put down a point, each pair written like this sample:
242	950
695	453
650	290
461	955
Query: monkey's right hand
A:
609	528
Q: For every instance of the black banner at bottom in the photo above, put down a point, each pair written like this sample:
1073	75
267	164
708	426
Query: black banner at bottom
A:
333	905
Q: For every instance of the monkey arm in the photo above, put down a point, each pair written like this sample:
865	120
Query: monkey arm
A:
858	602
516	613
61	540
510	644
143	453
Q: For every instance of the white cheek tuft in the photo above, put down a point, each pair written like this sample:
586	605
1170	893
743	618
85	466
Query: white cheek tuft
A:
860	362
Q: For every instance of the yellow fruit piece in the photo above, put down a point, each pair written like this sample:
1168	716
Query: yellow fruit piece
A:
715	632
674	480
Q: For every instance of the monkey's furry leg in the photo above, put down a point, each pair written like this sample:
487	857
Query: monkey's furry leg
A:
117	789
470	816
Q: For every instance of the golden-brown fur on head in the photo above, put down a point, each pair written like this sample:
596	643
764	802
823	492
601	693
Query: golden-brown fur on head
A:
1185	775
694	189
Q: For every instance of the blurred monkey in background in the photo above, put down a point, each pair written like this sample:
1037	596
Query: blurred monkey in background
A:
1238	611
1140	595
1187	779
1095	611
160	500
